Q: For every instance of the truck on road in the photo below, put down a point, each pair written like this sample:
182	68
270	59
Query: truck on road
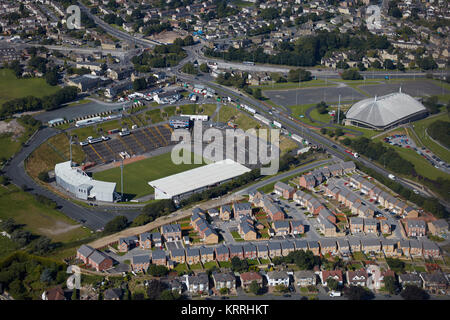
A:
391	176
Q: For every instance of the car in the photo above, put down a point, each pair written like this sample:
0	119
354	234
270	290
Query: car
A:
286	295
415	191
334	146
335	294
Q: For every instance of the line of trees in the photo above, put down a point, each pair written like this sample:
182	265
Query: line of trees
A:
31	103
440	130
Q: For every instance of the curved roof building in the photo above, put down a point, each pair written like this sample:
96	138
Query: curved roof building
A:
76	181
385	112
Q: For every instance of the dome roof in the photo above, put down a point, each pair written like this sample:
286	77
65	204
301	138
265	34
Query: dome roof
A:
382	111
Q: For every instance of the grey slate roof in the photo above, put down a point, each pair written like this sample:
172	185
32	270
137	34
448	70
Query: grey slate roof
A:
192	252
98	257
158	254
179	252
86	250
274	246
222	250
301	244
145	258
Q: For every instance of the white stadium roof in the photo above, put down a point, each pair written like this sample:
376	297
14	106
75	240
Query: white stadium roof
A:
77	177
383	111
197	178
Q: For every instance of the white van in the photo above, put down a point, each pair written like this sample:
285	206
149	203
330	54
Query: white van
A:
335	293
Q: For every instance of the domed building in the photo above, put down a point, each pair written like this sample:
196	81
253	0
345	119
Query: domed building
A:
385	112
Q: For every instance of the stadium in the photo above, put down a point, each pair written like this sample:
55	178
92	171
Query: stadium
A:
385	112
77	182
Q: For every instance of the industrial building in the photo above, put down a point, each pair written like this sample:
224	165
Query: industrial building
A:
385	112
77	182
184	184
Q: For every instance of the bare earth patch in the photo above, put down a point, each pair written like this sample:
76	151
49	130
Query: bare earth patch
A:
59	228
12	127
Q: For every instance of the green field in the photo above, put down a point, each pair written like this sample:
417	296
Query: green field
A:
12	88
424	139
295	85
138	174
37	218
243	121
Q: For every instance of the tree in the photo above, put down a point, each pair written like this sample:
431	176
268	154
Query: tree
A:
43	176
9	225
74	294
47	276
412	292
322	107
339	132
189	68
116	224
376	64
281	288
351	74
254	288
139	84
332	284
157	271
296	75
358	293
169	295
390	284
204	68
396	265
21	237
224	291
388	64
257	93
155	288
347	141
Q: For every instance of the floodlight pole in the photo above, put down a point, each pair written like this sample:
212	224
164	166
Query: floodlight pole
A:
70	150
121	177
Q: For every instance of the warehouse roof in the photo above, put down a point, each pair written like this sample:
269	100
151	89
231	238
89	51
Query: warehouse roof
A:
385	110
78	177
197	178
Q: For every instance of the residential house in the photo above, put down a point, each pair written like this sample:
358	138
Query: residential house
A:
206	254
314	206
84	252
248	277
314	247
275	278
435	283
145	240
100	261
159	257
250	251
224	280
334	274
389	247
385	227
357	278
371	246
281	227
113	294
213	212
246	228
284	190
274	249
410	212
197	284
415	227
225	212
404	247
371	226
298	197
178	255
356	225
335	169
305	278
156	239
343	247
301	245
192	255
415	247
171	232
355	245
297	227
54	294
438	227
222	253
430	249
127	243
307	181
263	251
399	207
327	228
327	246
236	251
242	209
287	247
273	210
410	279
140	263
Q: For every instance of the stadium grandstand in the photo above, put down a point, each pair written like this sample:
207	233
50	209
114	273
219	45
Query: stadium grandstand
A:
184	184
385	112
77	182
